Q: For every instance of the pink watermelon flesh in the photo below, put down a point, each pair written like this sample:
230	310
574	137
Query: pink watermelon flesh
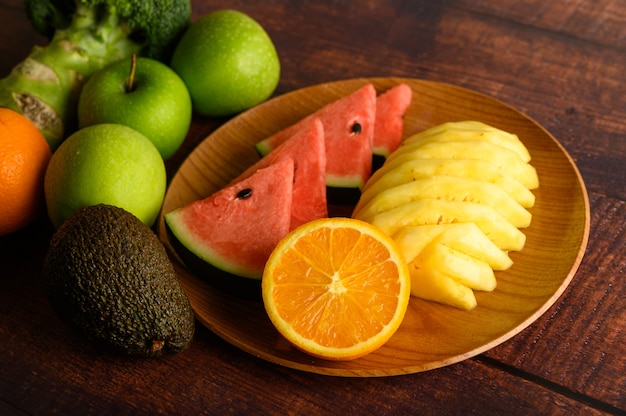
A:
390	108
236	228
306	149
348	135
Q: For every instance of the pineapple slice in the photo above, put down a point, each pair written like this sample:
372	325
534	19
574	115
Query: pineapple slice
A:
465	131
464	237
463	125
506	160
435	211
451	189
407	168
467	270
431	284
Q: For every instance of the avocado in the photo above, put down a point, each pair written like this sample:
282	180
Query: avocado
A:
107	275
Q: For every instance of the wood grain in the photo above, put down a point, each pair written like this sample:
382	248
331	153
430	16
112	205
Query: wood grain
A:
431	335
561	62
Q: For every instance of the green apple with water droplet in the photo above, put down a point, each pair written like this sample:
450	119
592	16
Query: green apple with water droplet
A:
108	164
143	94
228	62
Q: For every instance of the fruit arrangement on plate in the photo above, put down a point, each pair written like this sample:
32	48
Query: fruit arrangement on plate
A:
432	334
450	214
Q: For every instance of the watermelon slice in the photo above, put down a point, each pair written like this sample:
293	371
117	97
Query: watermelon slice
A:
348	134
233	231
306	149
390	108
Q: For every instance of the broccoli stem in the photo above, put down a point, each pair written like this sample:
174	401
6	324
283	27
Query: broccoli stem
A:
45	86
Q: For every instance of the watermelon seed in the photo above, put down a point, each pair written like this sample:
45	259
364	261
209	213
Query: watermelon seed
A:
244	193
356	128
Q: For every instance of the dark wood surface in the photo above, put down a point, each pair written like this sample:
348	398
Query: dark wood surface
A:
561	62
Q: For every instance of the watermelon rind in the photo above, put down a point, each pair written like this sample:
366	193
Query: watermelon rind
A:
195	245
239	286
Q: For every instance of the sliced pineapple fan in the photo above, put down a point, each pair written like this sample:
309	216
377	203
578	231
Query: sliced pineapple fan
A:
454	198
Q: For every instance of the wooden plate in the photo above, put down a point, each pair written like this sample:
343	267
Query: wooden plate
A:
431	335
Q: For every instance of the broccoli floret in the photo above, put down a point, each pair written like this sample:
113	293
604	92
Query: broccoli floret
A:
155	25
85	36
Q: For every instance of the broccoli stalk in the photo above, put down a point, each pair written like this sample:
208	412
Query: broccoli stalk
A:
86	35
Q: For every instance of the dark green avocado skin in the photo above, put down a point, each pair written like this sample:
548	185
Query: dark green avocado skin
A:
107	275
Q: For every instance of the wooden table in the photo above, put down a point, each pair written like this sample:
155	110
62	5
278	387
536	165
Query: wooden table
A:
561	62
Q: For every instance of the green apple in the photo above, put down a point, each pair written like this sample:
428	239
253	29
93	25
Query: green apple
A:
145	95
228	62
105	164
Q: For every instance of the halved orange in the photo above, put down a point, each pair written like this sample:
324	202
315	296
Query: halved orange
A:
336	288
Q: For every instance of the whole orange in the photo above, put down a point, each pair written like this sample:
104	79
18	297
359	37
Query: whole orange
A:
24	156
